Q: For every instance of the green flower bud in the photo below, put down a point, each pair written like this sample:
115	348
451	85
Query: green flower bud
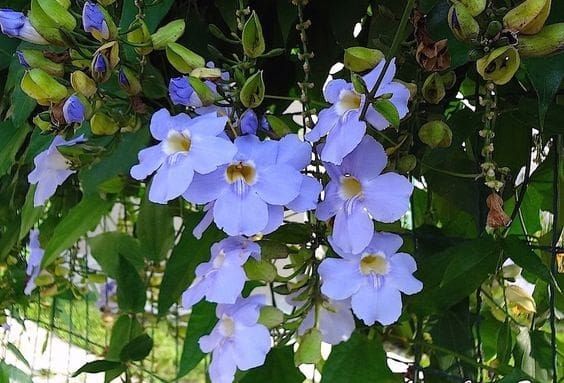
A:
406	163
462	24
111	51
548	41
50	18
206	73
204	93
436	134
260	270
309	349
183	59
42	121
253	39
83	84
358	83
36	59
168	34
40	86
494	27
270	316
128	81
253	90
140	35
433	89
360	59
499	65
474	7
100	68
528	17
103	125
449	79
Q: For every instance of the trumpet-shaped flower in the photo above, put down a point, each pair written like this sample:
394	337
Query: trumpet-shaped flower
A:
51	170
34	262
249	193
237	340
187	146
358	192
16	24
341	124
373	278
222	279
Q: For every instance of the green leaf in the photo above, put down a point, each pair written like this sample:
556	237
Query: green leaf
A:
181	266
291	233
154	12
30	213
11	139
85	216
278	125
124	329
201	322
525	257
504	343
155	229
278	368
12	374
97	366
106	248
131	290
388	111
358	360
137	349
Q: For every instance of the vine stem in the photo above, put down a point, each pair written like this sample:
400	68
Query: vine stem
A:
395	45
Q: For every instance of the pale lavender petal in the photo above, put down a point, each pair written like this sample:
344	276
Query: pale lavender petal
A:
337	323
371	78
223	367
161	124
207	125
150	159
206	187
377	304
342	139
240	214
341	278
195	293
205	222
275	219
387	243
227	284
331	204
327	119
278	184
293	151
375	119
400	96
387	197
209	342
171	180
207	153
353	229
309	194
252	344
333	89
365	162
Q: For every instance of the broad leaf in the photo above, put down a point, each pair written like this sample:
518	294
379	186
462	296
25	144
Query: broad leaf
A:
131	290
201	322
155	230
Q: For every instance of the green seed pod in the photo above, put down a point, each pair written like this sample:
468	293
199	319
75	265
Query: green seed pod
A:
36	59
206	73
83	84
528	17
499	65
436	134
140	35
433	89
42	121
183	59
449	79
168	34
103	125
252	37
40	86
128	81
309	349
253	91
475	7
360	59
462	24
260	270
407	163
50	18
494	27
548	41
270	316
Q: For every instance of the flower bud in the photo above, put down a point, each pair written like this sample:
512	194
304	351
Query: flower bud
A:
74	109
462	24
249	122
433	89
50	17
168	34
128	81
494	27
548	41
103	125
203	92
183	59
35	59
40	86
528	17
499	65
100	68
97	21
42	121
16	24
474	7
252	92
360	59
111	51
180	91
436	134
252	37
140	35
83	84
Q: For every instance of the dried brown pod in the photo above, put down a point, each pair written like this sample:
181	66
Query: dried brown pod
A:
496	215
431	55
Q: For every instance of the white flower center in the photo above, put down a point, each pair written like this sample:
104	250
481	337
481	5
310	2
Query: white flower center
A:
241	171
374	264
350	187
227	326
177	142
219	260
348	100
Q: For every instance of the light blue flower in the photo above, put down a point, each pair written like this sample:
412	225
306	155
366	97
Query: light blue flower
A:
187	146
359	192
94	21
182	93
373	278
51	170
237	340
222	278
341	124
249	194
34	262
249	122
74	110
16	24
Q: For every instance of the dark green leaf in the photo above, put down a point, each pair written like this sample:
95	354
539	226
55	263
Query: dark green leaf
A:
124	329
107	247
137	349
155	230
201	322
11	139
131	290
504	343
278	368
97	366
525	257
30	213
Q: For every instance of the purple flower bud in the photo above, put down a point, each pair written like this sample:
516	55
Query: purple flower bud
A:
122	78
74	110
264	125
249	122
22	60
180	91
93	20
16	24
